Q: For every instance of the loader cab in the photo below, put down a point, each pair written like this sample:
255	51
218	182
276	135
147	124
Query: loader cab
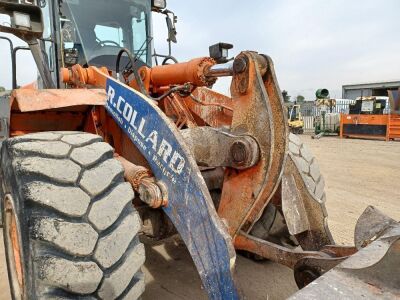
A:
92	32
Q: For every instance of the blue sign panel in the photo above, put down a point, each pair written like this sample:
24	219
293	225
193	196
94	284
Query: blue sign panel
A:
189	204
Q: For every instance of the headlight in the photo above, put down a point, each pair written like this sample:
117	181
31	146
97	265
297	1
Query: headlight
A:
219	52
158	4
21	20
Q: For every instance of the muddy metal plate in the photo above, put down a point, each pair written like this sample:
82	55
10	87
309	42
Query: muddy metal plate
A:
189	204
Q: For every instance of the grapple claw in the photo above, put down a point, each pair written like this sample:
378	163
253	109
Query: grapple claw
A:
370	225
370	273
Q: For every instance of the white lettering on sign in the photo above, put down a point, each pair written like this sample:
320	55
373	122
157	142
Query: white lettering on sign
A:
165	156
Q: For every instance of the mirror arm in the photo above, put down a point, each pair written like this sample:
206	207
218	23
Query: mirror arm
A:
11	51
14	64
9	42
42	66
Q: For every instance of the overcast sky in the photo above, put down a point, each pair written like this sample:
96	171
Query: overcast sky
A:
313	43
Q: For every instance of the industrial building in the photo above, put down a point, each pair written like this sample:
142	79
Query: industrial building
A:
352	91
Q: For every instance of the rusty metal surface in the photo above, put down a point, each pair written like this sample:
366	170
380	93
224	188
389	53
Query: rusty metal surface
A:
280	254
153	193
209	107
177	109
280	142
339	250
370	225
133	174
371	273
150	192
206	103
26	100
216	148
257	111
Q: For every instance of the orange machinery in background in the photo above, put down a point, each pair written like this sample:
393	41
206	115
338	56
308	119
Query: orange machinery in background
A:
366	118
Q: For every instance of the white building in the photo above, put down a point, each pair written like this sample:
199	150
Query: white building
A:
352	91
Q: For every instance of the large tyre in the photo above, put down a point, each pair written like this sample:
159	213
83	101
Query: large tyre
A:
308	167
271	225
70	229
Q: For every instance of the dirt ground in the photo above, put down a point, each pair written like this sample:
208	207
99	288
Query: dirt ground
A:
357	173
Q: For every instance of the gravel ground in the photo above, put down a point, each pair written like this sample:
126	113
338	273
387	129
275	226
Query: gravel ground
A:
358	173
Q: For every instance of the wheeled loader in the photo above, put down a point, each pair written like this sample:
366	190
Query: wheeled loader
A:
106	146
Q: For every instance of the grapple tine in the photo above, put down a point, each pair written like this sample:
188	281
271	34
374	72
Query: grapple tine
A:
370	224
370	273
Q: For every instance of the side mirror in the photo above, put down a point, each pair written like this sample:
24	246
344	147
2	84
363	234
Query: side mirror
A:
26	20
171	26
158	5
27	24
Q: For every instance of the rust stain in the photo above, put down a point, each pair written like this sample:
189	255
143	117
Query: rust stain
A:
16	251
255	113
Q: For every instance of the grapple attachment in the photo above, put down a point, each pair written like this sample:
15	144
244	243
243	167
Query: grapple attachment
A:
370	273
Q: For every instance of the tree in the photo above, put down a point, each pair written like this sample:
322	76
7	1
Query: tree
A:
2	89
300	99
285	96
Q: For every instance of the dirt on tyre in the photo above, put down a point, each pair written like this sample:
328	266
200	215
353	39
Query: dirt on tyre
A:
70	229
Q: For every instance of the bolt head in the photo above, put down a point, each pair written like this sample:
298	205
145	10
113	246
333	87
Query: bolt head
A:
239	152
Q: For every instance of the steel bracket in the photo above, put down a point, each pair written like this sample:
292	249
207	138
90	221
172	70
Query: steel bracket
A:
216	148
258	111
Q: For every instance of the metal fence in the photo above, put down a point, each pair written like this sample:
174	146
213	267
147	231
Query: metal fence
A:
309	111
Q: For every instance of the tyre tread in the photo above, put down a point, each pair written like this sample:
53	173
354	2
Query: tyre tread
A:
66	190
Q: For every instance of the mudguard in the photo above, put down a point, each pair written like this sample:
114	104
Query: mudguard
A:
190	207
